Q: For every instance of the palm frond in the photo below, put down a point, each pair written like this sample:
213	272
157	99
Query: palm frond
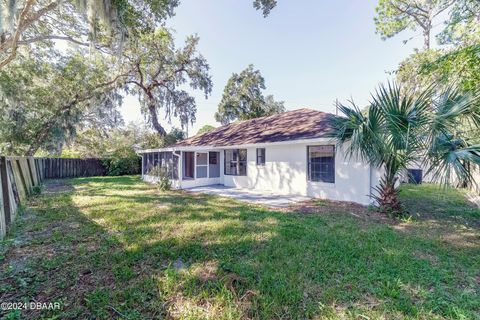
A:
452	107
402	127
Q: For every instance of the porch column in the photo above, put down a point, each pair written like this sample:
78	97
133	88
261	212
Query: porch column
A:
180	169
208	164
195	165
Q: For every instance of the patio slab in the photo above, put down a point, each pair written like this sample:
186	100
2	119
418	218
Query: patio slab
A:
265	198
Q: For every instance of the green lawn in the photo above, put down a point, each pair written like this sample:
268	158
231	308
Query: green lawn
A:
115	247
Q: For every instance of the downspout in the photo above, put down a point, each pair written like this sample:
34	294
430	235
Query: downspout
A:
142	164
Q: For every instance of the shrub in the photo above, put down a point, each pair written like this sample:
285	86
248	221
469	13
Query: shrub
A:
36	190
163	183
122	162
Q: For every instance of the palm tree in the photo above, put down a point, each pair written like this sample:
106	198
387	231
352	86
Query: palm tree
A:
402	127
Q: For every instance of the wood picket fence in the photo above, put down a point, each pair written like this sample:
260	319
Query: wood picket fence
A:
55	168
19	177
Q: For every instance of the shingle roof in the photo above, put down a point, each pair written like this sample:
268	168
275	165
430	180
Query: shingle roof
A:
291	125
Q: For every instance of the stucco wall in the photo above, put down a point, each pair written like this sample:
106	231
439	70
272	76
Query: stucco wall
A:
285	172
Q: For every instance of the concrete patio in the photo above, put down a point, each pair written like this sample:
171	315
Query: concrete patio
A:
257	197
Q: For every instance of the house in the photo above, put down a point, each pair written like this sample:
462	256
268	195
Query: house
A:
286	153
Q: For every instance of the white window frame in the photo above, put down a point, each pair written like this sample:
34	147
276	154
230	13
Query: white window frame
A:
201	165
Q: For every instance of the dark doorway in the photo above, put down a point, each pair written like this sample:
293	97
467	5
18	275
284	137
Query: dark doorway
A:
188	165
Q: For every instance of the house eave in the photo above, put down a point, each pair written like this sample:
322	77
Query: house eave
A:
237	146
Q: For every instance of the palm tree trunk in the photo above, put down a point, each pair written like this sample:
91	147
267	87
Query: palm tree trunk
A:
388	193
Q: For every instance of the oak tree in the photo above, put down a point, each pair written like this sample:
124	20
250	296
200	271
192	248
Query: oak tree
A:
243	98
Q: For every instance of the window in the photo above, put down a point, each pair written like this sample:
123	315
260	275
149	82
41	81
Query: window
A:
202	164
213	157
321	163
236	162
260	156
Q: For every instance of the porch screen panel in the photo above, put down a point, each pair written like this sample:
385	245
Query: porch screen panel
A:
156	156
202	164
161	159
149	163
167	165
144	163
174	167
213	164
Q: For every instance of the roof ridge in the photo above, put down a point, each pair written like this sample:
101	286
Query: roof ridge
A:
305	113
274	115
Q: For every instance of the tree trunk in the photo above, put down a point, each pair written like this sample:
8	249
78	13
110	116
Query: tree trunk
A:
387	193
426	36
40	137
154	118
388	197
31	150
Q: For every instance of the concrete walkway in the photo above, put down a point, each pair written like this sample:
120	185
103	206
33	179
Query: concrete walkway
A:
251	196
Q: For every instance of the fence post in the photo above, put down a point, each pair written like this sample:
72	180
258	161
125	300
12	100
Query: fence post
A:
5	193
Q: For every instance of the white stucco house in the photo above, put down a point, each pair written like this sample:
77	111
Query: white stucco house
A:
285	154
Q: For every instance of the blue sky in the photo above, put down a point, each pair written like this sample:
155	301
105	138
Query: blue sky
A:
310	52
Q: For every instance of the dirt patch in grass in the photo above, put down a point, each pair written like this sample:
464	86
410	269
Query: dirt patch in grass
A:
432	258
57	186
207	271
327	207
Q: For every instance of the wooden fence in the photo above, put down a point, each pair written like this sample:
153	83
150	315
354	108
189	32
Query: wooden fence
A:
55	168
19	176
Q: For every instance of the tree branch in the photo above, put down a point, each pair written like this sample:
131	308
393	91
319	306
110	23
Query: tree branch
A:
16	36
42	135
52	37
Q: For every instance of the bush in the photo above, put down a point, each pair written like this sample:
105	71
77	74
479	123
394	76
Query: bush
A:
163	183
122	164
36	190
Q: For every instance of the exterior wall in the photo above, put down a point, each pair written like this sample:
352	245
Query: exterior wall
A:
285	172
199	182
352	181
155	179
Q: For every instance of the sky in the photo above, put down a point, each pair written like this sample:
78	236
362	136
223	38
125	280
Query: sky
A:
310	52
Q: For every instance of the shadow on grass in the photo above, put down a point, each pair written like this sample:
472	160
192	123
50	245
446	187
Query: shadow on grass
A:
429	201
116	247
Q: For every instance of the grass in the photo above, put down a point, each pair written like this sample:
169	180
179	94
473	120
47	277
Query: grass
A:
114	247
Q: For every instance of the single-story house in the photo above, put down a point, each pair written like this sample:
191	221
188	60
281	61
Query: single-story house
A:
286	153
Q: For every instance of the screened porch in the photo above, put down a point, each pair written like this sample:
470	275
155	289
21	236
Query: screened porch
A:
184	168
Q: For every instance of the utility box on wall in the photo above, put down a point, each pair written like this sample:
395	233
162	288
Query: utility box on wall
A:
415	176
